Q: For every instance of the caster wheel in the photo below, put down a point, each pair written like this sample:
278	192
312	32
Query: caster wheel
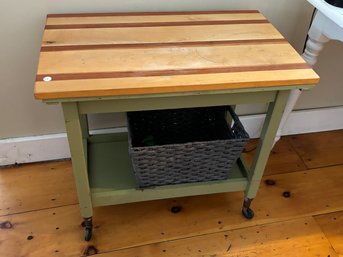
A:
248	213
88	234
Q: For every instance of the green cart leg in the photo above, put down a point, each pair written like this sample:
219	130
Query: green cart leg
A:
273	117
77	130
84	126
228	116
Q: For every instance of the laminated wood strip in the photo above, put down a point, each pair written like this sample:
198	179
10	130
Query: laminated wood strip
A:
171	72
173	84
146	13
159	45
159	34
154	18
177	60
152	24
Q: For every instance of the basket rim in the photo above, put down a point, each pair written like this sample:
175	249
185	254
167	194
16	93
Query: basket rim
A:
232	114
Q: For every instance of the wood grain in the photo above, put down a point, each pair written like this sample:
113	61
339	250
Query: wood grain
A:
152	24
173	84
332	226
36	186
207	214
159	34
132	17
95	47
64	15
50	232
319	149
301	237
283	158
278	228
53	48
137	60
170	72
130	225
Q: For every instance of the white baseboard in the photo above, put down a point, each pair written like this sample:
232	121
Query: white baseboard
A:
55	146
300	122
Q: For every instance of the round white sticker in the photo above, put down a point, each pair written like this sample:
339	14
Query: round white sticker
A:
47	78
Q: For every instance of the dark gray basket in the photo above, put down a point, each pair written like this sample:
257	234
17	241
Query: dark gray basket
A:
191	145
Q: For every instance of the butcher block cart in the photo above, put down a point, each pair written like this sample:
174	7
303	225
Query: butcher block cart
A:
122	62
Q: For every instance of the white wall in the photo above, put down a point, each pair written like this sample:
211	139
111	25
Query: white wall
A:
21	26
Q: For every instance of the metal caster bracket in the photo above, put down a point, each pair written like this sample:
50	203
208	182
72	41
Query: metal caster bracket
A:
246	211
88	225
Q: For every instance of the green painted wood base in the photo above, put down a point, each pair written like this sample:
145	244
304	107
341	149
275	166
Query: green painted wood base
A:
101	163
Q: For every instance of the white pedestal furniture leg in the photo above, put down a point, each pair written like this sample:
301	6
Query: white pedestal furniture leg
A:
292	100
314	44
316	39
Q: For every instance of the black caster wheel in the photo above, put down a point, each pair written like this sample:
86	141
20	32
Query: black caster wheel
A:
88	234
88	227
248	213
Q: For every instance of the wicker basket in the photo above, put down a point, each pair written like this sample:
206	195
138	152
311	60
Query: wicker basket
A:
184	145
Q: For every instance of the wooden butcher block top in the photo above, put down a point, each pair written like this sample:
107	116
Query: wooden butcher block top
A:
112	54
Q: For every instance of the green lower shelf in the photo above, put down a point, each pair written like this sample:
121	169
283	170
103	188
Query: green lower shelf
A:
112	179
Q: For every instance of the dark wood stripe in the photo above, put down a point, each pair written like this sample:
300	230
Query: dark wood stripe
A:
151	73
67	15
153	24
53	48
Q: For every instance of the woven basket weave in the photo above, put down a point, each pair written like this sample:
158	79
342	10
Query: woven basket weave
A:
184	145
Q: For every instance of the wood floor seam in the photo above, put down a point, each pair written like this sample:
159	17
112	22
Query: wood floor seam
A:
334	212
37	210
320	227
324	166
295	150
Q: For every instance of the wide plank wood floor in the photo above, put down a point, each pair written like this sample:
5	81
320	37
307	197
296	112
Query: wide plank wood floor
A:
39	214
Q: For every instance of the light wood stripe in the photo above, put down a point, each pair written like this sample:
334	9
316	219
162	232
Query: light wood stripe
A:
171	84
152	73
147	13
153	24
173	58
159	34
159	45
